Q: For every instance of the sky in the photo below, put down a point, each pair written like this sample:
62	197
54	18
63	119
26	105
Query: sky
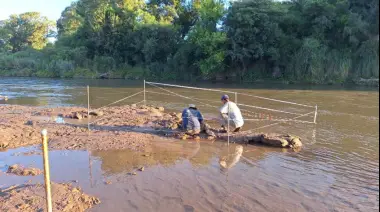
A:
49	8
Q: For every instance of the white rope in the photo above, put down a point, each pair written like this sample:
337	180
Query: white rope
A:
119	100
180	86
181	95
276	100
139	102
281	121
263	108
231	92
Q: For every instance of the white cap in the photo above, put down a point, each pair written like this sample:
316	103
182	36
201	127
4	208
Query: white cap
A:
192	105
44	132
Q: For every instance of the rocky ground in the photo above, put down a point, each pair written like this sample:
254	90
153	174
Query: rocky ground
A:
31	198
21	126
132	127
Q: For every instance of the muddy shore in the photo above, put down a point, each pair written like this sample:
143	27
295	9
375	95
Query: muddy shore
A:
115	128
21	126
31	197
127	127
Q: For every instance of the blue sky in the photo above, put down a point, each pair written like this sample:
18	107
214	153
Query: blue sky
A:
50	8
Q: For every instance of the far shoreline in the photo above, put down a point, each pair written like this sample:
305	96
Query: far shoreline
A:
361	84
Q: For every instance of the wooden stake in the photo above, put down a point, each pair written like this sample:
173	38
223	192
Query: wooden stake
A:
88	108
46	170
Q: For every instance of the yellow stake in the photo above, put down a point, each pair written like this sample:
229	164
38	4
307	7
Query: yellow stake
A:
46	170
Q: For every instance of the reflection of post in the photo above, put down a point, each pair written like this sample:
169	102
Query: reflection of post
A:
315	114
46	170
314	136
90	168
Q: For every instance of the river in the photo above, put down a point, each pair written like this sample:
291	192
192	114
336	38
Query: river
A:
336	170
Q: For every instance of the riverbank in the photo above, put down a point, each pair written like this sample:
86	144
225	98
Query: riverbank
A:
140	75
124	127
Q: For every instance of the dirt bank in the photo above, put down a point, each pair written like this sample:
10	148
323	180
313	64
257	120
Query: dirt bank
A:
21	126
127	127
30	198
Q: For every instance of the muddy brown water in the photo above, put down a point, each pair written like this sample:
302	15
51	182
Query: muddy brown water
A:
337	169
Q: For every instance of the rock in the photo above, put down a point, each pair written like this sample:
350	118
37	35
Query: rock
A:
31	123
77	115
274	141
3	144
96	113
141	169
133	105
210	138
295	143
174	126
179	115
108	182
161	109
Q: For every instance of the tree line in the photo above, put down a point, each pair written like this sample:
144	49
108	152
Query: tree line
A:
313	41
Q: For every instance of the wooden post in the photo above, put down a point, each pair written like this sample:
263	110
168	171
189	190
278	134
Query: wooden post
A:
144	94
88	107
236	99
46	170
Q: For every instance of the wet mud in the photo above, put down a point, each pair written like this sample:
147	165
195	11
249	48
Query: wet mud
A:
130	127
31	198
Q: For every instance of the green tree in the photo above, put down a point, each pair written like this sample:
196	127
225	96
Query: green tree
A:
27	30
253	33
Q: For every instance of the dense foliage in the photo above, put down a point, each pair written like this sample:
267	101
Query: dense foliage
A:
315	41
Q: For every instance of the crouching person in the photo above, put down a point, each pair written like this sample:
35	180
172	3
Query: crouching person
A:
193	123
230	114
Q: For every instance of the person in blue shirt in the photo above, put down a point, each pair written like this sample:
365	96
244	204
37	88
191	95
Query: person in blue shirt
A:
193	122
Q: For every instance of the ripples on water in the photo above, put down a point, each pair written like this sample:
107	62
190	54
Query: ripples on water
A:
337	170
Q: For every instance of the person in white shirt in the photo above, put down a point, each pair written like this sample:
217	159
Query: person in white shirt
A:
230	110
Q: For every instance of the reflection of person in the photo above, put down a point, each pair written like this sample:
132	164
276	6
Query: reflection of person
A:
231	111
225	164
193	122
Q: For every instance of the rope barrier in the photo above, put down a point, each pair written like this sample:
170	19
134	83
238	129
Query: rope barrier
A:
274	110
263	108
280	122
120	100
139	102
231	92
181	95
276	100
180	86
